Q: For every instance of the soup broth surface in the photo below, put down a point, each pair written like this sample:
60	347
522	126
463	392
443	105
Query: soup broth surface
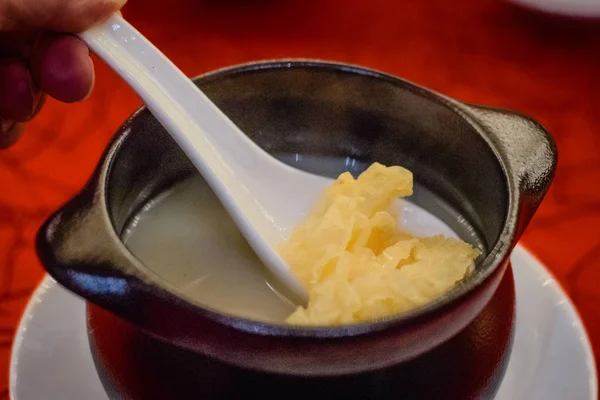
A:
186	237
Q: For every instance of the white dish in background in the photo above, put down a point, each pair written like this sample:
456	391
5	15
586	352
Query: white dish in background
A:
571	8
551	359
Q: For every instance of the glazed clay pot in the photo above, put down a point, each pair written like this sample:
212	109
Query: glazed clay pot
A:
490	167
134	366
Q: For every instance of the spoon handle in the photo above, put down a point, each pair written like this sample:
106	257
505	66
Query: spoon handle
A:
225	156
194	121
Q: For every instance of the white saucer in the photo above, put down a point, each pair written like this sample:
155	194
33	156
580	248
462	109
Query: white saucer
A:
551	360
570	8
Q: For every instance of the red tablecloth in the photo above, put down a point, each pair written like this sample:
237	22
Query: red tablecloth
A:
481	51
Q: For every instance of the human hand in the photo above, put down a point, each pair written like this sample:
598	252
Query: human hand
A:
39	56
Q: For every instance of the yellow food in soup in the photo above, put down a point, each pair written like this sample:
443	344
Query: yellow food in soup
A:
355	261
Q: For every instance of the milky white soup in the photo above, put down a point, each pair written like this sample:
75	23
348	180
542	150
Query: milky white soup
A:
186	237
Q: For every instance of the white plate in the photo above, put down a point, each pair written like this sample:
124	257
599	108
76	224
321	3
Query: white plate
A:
571	8
551	360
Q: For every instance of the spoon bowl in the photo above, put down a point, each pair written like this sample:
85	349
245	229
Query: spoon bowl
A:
265	197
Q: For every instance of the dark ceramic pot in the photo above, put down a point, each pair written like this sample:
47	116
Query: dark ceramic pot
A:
471	365
490	167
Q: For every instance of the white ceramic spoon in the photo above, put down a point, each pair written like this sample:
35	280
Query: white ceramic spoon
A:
265	197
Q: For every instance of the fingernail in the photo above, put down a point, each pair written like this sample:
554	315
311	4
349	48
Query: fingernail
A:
7	126
11	131
40	103
37	103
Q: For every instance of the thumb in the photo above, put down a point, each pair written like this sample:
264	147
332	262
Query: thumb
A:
70	16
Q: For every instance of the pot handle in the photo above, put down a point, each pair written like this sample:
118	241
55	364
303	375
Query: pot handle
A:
80	250
529	151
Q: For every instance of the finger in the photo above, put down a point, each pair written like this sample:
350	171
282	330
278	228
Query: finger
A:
56	15
62	67
39	106
10	132
19	96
